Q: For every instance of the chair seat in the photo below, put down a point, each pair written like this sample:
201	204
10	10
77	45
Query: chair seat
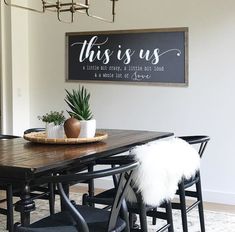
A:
96	220
190	182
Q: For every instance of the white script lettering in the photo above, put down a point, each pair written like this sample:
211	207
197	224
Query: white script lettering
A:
88	53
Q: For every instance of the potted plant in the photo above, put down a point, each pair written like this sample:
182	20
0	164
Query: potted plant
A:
78	102
54	124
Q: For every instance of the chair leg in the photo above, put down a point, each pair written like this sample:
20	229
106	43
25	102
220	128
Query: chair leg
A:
183	206
66	190
132	221
142	215
124	216
200	205
169	216
154	219
51	188
10	216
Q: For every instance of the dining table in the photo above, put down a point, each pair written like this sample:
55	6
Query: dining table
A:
23	161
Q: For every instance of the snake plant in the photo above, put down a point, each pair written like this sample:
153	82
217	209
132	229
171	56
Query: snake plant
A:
78	102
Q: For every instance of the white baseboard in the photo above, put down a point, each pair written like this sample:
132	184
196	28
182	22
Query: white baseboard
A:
208	195
219	197
104	183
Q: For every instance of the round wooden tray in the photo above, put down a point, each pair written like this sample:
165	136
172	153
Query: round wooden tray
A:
40	137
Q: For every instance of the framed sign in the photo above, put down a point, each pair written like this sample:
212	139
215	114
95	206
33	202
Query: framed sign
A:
155	56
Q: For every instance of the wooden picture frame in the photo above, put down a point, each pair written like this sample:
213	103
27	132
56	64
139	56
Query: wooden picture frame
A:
150	56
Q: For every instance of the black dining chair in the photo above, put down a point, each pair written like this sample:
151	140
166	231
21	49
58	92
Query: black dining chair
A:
35	129
86	218
37	192
5	137
8	211
201	142
134	208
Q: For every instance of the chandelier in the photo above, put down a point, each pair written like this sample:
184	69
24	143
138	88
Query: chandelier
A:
70	6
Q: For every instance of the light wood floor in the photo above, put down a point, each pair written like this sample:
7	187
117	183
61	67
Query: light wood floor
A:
207	205
219	207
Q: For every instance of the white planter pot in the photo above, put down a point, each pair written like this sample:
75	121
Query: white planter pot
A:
54	131
88	129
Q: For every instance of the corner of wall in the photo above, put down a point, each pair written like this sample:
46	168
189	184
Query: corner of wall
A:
14	70
5	68
20	70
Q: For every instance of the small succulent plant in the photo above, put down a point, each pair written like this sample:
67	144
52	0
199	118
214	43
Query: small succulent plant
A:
53	116
78	101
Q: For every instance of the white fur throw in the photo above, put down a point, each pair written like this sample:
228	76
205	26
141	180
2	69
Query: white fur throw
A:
162	166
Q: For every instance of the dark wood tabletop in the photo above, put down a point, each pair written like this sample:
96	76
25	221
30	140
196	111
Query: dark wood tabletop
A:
21	159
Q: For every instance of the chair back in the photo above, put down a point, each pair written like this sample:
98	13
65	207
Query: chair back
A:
201	140
33	130
125	171
4	137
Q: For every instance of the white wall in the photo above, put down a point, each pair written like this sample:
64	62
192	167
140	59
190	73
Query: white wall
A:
204	107
20	71
14	70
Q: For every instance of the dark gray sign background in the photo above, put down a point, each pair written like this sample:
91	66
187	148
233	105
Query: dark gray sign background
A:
168	65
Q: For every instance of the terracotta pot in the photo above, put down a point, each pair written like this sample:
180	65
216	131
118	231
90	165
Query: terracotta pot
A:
72	128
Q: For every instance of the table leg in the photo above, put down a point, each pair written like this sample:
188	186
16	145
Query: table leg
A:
25	205
66	190
91	186
10	216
